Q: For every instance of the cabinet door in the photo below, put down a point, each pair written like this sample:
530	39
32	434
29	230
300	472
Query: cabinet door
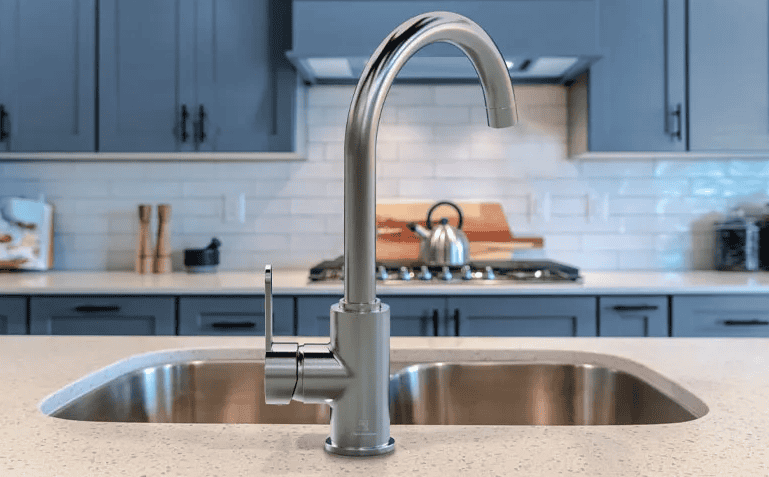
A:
409	316
94	315
524	316
13	316
729	75
637	89
146	53
47	74
233	316
244	83
633	316
721	316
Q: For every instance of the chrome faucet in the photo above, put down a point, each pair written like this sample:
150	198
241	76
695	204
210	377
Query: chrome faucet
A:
351	373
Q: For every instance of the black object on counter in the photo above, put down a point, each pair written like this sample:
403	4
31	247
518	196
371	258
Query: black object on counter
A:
202	260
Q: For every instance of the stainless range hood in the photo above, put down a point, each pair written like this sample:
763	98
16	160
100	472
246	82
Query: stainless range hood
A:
543	41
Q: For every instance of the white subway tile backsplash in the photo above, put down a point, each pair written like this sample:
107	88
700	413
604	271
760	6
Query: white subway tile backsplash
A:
748	168
433	144
592	242
679	168
142	189
601	169
433	115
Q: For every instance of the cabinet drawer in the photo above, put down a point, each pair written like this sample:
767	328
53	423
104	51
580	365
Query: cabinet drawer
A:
13	316
633	316
102	315
524	316
233	315
409	316
724	316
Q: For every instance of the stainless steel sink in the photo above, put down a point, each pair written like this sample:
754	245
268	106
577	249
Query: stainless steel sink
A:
528	394
470	393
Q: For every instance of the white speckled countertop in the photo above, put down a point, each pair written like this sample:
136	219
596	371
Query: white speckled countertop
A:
295	282
729	375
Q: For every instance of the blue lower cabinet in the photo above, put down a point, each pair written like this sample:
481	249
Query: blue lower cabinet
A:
13	316
102	315
230	316
721	316
633	316
409	316
523	316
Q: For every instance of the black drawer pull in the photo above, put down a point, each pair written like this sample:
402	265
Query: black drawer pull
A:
3	115
233	324
96	308
636	308
745	322
436	318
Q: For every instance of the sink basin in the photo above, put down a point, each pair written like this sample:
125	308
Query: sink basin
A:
528	394
467	393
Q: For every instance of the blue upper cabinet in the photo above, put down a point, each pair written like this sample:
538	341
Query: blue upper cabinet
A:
145	76
729	75
47	75
245	87
637	90
195	75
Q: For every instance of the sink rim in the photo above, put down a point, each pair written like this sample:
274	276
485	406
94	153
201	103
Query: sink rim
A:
131	364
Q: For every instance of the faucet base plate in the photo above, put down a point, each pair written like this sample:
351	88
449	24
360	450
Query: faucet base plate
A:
360	451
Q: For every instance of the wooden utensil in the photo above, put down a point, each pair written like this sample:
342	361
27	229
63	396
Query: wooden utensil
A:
143	246
163	245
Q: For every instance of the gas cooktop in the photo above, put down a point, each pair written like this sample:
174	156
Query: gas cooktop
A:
408	271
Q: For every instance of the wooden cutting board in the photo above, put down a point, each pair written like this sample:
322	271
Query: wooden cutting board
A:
484	224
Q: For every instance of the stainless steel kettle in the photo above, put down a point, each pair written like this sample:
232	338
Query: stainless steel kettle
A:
442	244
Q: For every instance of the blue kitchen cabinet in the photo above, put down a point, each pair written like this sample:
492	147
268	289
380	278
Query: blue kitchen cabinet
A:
47	78
102	315
721	316
637	90
146	93
245	86
409	316
201	75
728	75
13	316
523	316
633	316
232	316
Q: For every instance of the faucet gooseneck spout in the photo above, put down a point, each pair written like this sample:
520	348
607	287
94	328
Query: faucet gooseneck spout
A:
351	373
363	124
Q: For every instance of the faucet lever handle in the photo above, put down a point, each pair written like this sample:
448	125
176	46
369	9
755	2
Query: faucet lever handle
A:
268	307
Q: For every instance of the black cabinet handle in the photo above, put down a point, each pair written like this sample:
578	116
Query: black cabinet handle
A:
456	321
201	124
3	115
676	128
185	115
435	322
745	322
636	308
233	324
96	308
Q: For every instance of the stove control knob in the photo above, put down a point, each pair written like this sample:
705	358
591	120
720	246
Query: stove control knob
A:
424	273
381	273
405	274
489	274
446	274
467	273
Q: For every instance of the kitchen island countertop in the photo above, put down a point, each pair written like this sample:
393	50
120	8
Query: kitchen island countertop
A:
295	282
729	375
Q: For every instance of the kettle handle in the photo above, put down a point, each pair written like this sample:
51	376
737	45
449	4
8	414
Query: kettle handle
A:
444	202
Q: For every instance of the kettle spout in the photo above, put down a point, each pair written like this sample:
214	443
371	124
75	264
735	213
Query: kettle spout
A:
419	230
